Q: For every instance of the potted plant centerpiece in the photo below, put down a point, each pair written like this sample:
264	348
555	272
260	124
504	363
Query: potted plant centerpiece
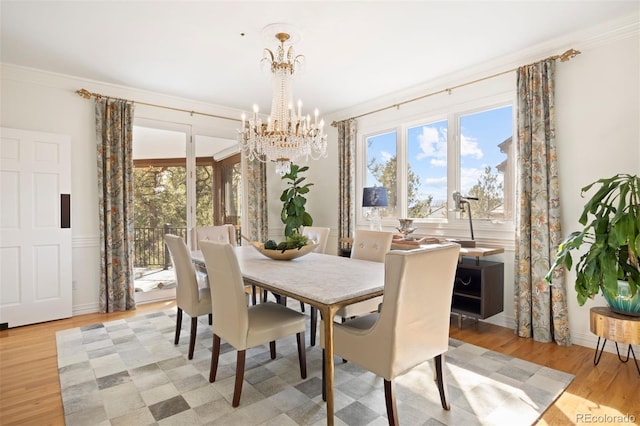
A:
294	216
611	237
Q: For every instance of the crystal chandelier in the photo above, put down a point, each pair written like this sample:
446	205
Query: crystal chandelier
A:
288	134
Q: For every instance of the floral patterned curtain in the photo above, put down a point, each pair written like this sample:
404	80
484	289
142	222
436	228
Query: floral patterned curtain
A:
256	200
114	137
540	309
346	173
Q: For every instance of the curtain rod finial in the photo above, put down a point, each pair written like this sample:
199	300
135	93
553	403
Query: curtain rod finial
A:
84	93
569	54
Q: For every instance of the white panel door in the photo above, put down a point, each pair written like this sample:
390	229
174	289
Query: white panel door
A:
35	233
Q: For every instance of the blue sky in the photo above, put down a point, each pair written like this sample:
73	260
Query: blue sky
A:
481	133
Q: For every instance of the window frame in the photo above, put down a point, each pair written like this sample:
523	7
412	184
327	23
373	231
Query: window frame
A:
453	225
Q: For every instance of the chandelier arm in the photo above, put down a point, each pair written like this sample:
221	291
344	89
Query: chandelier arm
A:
266	50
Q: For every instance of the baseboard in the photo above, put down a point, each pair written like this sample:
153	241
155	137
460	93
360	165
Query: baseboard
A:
141	298
588	340
86	308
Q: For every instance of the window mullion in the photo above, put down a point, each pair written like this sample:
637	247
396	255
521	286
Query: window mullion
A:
453	161
401	173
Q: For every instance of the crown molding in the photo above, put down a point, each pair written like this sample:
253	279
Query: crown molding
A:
584	40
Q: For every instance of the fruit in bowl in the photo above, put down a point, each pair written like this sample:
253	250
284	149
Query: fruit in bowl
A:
296	241
295	246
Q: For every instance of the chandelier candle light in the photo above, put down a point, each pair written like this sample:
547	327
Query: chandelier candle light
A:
288	134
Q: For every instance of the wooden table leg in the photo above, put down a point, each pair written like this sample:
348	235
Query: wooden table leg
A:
327	315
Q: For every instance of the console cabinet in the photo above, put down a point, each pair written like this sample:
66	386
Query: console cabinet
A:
478	291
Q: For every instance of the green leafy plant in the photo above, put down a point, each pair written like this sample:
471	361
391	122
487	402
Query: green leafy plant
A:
296	241
611	238
294	214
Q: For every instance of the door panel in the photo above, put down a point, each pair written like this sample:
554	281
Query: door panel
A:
35	275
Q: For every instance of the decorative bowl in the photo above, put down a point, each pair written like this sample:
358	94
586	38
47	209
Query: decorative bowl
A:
284	254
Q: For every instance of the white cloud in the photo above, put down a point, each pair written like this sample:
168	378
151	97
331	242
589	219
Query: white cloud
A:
468	178
386	156
469	147
436	186
432	143
436	181
439	163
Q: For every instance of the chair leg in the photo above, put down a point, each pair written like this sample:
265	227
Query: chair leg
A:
390	400
280	299
178	326
192	337
324	386
265	293
302	355
210	319
253	294
302	306
215	354
237	390
442	388
314	325
272	349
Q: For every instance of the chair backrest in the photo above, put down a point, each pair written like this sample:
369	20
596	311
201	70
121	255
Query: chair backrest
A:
319	234
229	305
219	233
415	315
371	245
186	281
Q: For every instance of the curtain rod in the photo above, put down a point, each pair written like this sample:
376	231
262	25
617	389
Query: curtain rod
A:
566	56
88	95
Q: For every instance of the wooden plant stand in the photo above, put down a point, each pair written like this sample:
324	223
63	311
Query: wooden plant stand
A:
607	324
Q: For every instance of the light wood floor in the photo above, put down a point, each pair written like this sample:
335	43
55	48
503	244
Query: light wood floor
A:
30	389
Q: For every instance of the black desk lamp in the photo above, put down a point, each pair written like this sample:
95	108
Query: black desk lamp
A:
459	203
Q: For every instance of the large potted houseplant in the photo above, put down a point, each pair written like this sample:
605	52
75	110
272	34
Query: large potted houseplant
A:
610	240
294	214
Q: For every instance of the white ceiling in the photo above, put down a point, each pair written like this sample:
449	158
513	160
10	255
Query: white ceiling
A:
355	51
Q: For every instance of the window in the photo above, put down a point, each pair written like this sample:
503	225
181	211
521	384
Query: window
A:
486	162
426	180
381	167
422	162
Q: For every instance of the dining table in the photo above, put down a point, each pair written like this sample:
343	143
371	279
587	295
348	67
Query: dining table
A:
323	281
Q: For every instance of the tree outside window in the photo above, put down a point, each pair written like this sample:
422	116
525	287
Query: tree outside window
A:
483	140
486	162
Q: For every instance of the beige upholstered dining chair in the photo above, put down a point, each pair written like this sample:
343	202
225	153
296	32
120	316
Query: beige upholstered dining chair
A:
241	326
367	245
372	246
413	324
318	234
189	297
220	233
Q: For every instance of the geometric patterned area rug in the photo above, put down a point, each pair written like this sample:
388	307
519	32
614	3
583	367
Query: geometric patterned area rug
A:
129	372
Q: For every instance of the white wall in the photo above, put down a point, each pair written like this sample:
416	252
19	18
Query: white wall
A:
42	101
598	135
597	108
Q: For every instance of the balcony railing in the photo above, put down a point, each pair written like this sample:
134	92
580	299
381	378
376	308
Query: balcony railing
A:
149	247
